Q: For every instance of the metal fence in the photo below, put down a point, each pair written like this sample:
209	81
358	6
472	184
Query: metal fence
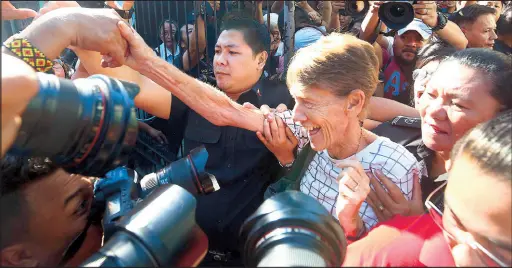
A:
150	156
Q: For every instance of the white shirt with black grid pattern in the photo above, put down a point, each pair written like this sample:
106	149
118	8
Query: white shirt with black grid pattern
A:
320	179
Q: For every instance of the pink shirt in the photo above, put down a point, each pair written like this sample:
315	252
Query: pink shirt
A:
395	81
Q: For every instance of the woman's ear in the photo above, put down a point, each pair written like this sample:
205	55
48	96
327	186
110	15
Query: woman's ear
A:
355	101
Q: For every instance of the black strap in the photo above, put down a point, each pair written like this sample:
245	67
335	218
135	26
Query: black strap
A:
301	165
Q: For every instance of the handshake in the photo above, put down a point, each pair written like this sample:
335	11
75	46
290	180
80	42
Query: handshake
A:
57	26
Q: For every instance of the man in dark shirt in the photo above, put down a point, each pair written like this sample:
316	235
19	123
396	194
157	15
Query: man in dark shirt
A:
242	165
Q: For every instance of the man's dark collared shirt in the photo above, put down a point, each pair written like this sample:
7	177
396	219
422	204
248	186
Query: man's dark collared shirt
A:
242	165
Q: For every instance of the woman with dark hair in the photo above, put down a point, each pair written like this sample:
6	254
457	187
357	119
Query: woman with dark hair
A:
469	87
429	57
470	215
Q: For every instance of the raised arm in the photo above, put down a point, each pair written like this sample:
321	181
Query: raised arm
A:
277	7
451	33
382	109
196	43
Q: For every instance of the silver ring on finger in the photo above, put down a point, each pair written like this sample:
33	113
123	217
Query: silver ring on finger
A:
381	208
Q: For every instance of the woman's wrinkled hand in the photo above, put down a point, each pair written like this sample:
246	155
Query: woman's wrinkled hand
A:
353	187
388	200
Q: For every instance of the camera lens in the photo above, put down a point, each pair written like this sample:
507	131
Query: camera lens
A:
292	229
397	11
87	126
396	15
187	172
161	231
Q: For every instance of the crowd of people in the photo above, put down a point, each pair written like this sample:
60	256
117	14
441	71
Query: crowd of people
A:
404	136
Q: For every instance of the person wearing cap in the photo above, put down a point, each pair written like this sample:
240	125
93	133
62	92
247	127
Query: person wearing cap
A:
400	51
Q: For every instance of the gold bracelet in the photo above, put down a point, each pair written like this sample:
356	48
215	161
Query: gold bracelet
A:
22	48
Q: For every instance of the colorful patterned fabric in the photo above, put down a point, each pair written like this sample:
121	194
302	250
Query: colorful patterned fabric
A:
30	54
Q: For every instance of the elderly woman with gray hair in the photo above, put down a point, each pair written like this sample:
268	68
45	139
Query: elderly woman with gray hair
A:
332	81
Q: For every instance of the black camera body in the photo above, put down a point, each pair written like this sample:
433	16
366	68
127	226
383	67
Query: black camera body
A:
160	231
397	14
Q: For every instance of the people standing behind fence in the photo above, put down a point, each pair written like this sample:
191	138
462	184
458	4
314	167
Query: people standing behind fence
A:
188	58
275	62
169	49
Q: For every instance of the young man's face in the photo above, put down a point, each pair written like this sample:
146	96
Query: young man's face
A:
235	65
482	33
406	46
58	207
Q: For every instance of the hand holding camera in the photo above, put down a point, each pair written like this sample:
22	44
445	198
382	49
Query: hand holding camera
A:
427	12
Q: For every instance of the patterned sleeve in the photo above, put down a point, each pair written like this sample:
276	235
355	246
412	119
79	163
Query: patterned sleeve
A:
299	132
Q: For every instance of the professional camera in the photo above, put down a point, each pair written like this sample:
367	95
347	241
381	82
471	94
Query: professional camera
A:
352	7
87	126
117	194
397	14
292	229
160	232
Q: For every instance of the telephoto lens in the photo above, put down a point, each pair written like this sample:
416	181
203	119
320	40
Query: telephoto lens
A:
352	7
161	231
87	126
396	14
292	229
187	172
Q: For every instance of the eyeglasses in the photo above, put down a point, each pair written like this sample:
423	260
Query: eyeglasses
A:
437	215
420	75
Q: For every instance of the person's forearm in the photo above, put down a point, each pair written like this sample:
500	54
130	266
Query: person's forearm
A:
199	45
368	26
207	101
151	98
382	109
48	34
452	34
334	24
258	16
326	12
277	7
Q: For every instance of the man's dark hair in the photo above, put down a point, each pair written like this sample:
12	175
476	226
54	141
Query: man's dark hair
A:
16	173
434	51
489	145
504	24
256	35
470	14
495	66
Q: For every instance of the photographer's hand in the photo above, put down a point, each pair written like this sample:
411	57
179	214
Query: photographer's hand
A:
19	86
427	12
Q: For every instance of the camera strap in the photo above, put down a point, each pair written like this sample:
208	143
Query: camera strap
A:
75	245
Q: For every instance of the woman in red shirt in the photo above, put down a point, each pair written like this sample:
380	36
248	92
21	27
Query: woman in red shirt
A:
469	225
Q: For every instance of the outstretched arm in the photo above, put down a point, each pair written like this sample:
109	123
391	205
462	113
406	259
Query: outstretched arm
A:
206	100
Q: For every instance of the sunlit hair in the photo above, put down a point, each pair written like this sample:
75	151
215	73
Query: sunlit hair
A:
337	62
